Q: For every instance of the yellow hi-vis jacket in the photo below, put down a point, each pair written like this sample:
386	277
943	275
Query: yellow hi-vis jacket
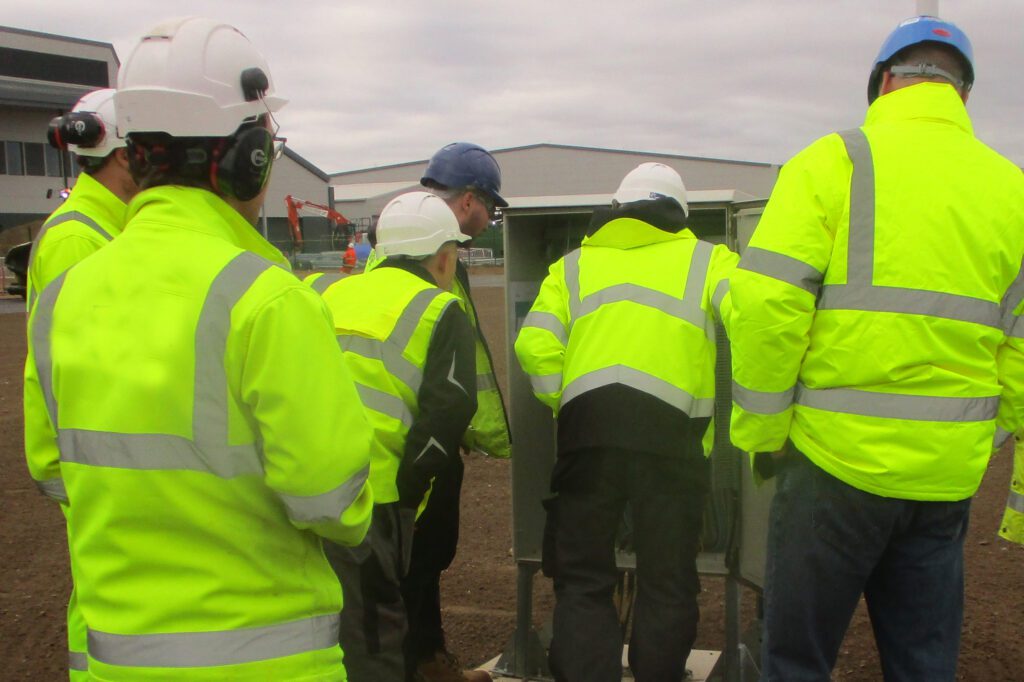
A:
91	216
385	320
875	312
636	306
1012	527
188	396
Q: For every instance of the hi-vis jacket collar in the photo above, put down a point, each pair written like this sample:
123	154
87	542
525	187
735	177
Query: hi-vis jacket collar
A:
199	210
630	233
936	101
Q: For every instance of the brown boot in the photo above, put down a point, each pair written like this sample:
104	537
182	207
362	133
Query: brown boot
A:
445	667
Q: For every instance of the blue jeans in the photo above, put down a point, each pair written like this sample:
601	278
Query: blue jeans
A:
828	543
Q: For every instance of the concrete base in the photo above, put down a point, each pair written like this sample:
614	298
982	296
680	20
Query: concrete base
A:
700	664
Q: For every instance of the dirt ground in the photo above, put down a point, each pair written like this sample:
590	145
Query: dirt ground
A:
479	589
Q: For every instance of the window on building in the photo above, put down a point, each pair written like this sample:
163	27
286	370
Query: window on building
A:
35	159
15	163
53	168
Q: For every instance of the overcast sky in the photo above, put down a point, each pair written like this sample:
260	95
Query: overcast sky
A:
375	82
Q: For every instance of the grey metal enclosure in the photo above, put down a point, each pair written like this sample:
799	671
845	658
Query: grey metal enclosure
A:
537	232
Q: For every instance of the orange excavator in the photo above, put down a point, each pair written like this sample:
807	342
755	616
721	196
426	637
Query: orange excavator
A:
342	229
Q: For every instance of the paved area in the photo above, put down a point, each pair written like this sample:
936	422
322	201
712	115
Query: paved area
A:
11	304
482	281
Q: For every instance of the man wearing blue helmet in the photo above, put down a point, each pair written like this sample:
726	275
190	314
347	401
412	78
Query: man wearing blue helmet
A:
888	267
468	178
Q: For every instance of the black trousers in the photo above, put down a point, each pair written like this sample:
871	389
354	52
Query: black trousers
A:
666	495
434	540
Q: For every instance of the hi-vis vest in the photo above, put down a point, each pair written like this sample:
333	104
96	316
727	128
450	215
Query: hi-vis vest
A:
876	310
91	217
488	431
1012	527
384	321
636	306
189	398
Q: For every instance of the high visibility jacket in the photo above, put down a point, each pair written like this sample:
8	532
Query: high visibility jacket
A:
1012	527
320	281
488	432
876	308
190	398
372	260
386	322
91	216
636	306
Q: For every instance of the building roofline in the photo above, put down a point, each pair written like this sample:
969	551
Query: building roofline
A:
308	165
551	145
66	39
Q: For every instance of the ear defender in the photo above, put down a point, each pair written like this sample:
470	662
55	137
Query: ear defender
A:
80	128
241	165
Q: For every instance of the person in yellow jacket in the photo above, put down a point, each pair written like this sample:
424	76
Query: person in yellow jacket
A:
876	348
201	456
409	347
467	177
92	215
620	344
1012	527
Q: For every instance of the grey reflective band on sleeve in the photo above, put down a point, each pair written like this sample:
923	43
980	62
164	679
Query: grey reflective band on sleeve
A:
42	325
898	405
721	290
1011	301
385	403
544	384
571	263
78	661
1001	437
410	318
783	268
860	264
641	381
390	355
53	488
762	402
68	217
909	302
697	276
321	283
539	319
1015	502
326	507
218	648
485	382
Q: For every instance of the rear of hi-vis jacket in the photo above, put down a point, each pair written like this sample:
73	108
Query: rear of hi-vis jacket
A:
876	312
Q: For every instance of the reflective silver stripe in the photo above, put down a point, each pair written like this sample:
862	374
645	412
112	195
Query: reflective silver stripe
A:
762	402
391	356
572	284
42	324
1014	294
685	309
208	649
53	488
1015	327
861	245
485	382
78	661
910	301
321	283
385	403
783	268
697	276
1015	502
1001	436
721	289
648	383
156	452
410	318
65	218
328	506
898	406
546	383
548	322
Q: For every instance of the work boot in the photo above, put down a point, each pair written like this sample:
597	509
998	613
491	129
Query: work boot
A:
445	667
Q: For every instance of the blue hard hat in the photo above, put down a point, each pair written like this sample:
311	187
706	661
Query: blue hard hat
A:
916	30
463	164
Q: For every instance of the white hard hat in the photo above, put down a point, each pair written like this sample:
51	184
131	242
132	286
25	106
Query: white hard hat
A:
416	224
193	77
652	181
100	103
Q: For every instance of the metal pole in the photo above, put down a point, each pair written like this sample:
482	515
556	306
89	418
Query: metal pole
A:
524	619
928	8
732	630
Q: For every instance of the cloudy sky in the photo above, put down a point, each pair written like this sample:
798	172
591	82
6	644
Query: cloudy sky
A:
374	82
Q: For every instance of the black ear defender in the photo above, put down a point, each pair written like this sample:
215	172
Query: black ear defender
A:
240	165
81	128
